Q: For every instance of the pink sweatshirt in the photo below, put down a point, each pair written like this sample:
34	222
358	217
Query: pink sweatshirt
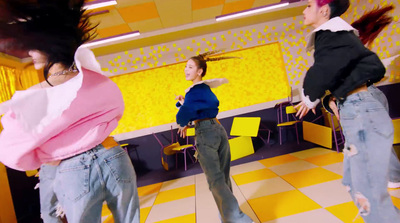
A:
49	124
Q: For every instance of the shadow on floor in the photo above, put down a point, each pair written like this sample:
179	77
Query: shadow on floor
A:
261	152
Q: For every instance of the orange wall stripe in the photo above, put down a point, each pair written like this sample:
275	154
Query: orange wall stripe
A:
237	6
201	4
140	12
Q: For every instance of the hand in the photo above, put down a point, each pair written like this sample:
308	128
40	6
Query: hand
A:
182	131
180	98
302	110
333	106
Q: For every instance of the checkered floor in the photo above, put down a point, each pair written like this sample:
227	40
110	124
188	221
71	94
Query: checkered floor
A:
301	187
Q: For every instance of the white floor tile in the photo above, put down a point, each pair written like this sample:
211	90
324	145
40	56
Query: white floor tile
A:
314	216
336	168
171	209
147	200
246	167
327	194
292	167
181	182
265	187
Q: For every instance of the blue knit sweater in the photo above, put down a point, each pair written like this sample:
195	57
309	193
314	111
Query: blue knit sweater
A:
200	103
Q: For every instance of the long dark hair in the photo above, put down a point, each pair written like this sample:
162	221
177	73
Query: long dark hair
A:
372	23
54	27
202	59
369	25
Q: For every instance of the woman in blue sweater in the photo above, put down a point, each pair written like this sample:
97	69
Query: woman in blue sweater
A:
200	105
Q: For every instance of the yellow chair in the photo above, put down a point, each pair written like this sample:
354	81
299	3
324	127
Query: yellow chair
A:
248	126
186	148
396	125
317	134
290	122
244	128
240	147
171	149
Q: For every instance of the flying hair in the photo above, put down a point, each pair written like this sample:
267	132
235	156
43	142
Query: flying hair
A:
207	56
202	59
372	23
54	27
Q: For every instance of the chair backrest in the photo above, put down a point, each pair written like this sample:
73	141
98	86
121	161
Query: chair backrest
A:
245	126
288	114
190	132
290	110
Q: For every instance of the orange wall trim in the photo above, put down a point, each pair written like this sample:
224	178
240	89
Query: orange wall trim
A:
7	213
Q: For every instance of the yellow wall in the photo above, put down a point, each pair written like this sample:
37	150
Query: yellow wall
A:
150	95
7	214
14	77
150	62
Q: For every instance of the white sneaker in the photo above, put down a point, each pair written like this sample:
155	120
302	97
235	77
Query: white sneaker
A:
393	185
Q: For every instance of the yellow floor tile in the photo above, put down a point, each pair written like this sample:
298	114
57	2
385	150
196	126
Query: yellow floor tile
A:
326	159
396	202
144	212
150	189
190	218
172	209
310	177
252	176
175	194
278	160
394	192
105	211
281	205
311	152
346	212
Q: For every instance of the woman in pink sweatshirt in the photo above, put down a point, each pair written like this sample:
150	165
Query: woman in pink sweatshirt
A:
62	124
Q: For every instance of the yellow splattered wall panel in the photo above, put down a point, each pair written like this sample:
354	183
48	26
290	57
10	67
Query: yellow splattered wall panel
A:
258	77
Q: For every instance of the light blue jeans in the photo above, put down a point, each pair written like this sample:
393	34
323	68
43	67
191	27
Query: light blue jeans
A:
368	130
394	163
215	157
79	185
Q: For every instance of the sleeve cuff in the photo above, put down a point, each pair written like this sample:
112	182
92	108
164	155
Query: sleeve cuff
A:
325	103
306	99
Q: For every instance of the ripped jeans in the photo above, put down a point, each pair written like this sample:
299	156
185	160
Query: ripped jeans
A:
368	130
79	185
394	163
